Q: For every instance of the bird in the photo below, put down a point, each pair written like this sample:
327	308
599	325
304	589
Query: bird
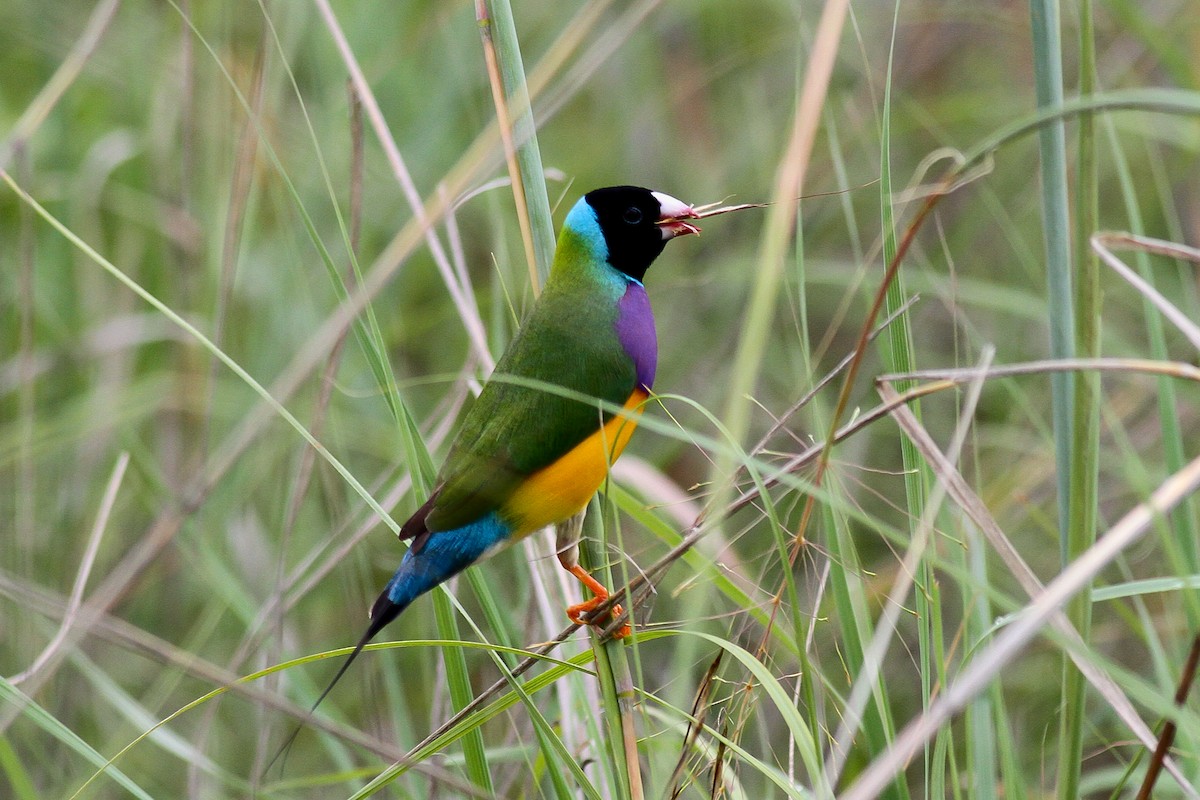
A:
537	443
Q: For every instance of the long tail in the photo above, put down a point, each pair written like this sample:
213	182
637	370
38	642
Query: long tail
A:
431	560
382	612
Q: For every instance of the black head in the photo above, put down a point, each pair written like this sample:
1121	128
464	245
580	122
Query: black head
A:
637	224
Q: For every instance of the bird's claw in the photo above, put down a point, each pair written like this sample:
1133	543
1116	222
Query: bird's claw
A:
601	594
577	612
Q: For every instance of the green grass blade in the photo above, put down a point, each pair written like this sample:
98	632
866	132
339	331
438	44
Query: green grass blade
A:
18	777
1083	475
899	357
1183	519
1048	81
28	709
458	678
529	155
205	342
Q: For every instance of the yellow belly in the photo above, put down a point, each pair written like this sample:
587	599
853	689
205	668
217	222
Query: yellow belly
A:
554	493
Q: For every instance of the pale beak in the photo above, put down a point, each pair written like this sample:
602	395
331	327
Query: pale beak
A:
672	214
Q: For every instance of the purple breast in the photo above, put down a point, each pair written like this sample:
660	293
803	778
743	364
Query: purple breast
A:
635	330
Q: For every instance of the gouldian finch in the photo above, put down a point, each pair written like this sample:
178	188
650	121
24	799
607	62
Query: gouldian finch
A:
530	455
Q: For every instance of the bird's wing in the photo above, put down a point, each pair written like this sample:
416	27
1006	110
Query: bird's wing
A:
416	527
515	429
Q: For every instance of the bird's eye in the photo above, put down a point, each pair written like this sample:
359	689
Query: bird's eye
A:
633	215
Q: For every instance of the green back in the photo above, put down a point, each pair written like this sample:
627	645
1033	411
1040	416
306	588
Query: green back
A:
513	430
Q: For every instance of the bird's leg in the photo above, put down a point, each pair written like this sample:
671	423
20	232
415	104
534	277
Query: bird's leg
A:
566	539
577	611
566	543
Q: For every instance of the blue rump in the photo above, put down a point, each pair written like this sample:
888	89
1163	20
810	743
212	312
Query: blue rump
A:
443	555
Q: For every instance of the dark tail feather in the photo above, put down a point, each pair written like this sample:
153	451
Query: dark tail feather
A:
383	612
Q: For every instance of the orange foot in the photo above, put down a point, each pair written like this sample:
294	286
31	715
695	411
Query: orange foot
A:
577	611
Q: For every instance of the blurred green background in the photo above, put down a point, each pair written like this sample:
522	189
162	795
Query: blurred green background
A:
195	144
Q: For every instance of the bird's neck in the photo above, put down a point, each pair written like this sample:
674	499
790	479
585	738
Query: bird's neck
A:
583	282
581	266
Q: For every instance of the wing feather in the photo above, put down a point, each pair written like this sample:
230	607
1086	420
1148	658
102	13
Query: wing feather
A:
515	427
